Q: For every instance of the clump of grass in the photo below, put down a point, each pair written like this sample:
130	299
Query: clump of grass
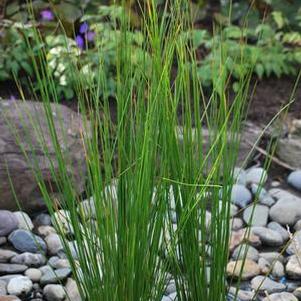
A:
139	170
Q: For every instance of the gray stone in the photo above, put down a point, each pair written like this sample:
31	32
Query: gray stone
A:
29	259
256	215
55	276
245	251
239	176
286	211
263	283
297	225
267	236
19	286
16	120
54	243
236	223
233	210
264	265
72	290
271	256
3	286
25	241
6	255
173	296
54	292
263	196
42	219
248	267
44	231
295	244
242	295
58	263
8	222
293	267
7	278
294	179
278	228
240	195
3	240
284	296
9	268
278	270
24	221
33	274
256	175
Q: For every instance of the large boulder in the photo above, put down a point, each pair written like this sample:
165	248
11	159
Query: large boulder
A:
24	127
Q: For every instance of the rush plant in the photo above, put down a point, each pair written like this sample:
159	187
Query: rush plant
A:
154	162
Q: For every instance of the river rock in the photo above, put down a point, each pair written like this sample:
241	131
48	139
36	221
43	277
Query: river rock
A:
3	240
42	219
250	269
54	292
6	255
16	120
245	251
33	274
286	211
19	285
3	286
54	243
236	223
264	265
240	195
278	228
8	221
271	256
55	276
284	296
278	270
256	175
267	236
29	259
293	267
242	235
263	283
295	244
24	221
44	231
256	215
262	195
72	290
25	241
294	179
9	268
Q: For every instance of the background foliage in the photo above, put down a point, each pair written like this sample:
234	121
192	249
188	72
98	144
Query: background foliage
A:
269	29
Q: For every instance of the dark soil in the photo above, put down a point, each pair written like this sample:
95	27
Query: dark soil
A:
270	95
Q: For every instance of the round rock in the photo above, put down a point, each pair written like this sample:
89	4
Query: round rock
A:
267	236
262	284
54	243
294	179
240	195
29	259
55	276
281	297
256	175
54	292
24	221
33	274
250	269
245	251
72	290
42	219
293	267
19	286
278	228
8	222
25	241
256	215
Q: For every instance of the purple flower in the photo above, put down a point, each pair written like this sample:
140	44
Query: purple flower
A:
47	15
90	36
80	42
84	27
